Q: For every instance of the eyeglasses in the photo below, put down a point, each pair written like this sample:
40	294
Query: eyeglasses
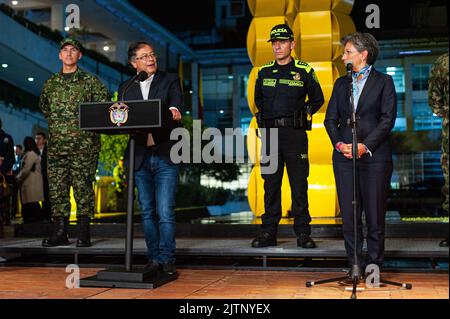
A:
146	56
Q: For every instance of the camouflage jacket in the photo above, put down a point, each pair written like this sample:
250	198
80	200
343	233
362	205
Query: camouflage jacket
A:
438	87
59	101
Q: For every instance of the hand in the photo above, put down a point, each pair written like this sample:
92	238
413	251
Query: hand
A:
361	150
346	150
1	161
176	115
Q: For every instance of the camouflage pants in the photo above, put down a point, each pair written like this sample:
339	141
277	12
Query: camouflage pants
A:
444	160
78	171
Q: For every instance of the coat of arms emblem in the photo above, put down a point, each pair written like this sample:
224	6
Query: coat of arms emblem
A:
118	113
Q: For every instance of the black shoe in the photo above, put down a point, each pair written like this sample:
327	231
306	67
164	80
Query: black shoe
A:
305	241
84	233
264	240
83	243
152	266
349	279
169	268
444	243
60	236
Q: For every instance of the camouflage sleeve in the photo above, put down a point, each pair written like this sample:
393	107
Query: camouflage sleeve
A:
436	89
43	101
99	91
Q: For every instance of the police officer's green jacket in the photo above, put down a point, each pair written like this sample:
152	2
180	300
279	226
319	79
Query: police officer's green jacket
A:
59	101
281	90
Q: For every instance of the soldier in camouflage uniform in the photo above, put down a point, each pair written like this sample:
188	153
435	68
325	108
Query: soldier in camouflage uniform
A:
438	101
72	153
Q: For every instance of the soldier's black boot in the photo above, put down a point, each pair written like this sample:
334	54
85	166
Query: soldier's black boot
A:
264	239
305	241
59	236
84	233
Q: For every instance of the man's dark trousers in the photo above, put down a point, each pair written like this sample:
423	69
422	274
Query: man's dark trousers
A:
292	151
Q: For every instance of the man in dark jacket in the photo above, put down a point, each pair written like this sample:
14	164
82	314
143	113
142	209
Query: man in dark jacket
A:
41	142
6	151
6	163
156	176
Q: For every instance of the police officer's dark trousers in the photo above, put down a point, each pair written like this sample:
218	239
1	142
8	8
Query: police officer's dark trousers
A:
292	152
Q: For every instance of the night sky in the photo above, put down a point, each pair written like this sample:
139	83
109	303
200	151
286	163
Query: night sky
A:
179	15
199	15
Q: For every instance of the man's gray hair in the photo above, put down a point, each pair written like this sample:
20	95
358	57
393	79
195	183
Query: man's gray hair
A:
362	42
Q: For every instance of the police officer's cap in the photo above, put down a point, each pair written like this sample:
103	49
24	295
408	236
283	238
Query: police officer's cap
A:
72	42
281	32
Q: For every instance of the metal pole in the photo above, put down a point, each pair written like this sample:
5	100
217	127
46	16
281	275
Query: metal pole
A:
356	271
130	208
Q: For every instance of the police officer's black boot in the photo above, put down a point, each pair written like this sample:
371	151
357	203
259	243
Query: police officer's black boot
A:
305	241
444	243
84	234
264	239
59	236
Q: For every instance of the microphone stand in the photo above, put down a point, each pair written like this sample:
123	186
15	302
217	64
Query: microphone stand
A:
356	268
356	272
140	77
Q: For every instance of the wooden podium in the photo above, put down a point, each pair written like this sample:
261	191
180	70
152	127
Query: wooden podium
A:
127	117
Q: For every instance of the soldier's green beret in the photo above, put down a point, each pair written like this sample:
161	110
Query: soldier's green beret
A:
71	41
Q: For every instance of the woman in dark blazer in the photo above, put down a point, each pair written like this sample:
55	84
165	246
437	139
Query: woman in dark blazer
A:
375	102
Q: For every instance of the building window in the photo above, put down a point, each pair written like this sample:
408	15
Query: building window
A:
243	82
398	76
237	9
218	99
245	124
420	75
423	117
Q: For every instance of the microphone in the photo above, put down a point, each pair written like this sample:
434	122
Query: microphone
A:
349	68
141	76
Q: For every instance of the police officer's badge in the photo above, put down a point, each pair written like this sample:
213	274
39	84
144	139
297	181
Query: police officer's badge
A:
118	113
297	76
6	140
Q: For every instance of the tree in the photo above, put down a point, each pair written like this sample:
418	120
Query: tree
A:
191	172
113	148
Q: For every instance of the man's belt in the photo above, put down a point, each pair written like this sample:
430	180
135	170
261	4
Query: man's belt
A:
280	122
300	120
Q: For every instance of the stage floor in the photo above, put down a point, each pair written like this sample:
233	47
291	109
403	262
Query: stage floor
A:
397	248
45	283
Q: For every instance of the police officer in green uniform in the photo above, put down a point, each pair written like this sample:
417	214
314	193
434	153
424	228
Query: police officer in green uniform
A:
281	90
72	153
